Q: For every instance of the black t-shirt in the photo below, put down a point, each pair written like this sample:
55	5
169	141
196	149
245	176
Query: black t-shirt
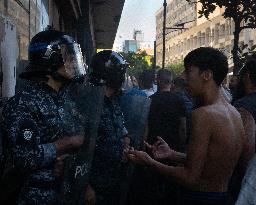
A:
164	118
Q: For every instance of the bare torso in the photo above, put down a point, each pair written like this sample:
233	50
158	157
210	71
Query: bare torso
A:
226	137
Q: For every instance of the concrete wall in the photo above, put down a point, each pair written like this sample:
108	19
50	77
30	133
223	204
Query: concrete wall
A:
9	51
27	18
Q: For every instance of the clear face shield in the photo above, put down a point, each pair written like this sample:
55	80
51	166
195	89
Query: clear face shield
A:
74	66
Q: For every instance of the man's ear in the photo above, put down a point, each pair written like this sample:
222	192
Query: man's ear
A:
207	75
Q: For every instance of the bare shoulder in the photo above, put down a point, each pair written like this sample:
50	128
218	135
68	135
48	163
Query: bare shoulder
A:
202	113
202	117
216	113
218	110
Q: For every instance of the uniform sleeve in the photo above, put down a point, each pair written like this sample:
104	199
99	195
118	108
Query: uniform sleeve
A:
24	140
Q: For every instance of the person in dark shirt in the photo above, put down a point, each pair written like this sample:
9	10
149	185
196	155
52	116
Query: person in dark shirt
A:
248	82
167	118
246	106
179	88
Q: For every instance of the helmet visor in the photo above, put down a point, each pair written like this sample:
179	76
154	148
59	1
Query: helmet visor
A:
73	61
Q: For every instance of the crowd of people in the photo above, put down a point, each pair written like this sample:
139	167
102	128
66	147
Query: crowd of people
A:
198	138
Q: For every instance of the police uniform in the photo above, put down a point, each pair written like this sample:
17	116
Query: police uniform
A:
106	167
33	120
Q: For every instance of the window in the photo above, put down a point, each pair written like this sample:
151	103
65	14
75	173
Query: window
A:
222	31
217	33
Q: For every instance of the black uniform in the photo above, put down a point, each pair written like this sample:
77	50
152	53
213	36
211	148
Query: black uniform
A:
106	169
33	120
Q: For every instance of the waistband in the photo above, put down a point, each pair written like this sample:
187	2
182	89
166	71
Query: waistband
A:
205	196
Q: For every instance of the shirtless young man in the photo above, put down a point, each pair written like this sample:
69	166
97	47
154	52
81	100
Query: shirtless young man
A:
217	135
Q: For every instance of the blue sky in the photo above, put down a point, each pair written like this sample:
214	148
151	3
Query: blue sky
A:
138	14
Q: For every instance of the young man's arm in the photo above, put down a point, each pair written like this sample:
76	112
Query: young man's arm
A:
196	156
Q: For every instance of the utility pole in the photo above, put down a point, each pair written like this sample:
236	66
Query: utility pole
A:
164	28
29	20
154	63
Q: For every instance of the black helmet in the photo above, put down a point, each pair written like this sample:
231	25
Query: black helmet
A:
108	67
49	50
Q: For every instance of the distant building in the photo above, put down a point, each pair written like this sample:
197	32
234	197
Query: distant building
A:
137	44
217	33
134	44
130	46
138	35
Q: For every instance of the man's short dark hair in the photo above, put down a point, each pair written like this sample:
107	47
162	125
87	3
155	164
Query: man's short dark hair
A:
146	78
179	82
250	67
165	76
207	58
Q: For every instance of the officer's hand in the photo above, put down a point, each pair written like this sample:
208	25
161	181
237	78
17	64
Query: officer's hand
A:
69	145
58	166
90	196
126	147
125	158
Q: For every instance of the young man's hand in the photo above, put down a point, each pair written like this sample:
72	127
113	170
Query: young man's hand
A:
160	149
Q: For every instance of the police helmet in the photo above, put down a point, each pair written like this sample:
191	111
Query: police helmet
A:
48	51
108	67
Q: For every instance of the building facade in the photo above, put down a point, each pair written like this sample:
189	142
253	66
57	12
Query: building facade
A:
131	46
216	32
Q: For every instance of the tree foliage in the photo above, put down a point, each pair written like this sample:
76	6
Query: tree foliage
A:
176	69
242	12
138	62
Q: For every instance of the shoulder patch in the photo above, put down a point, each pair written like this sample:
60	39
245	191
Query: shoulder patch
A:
27	134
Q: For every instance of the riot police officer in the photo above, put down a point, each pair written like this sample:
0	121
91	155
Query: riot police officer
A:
108	67
38	121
